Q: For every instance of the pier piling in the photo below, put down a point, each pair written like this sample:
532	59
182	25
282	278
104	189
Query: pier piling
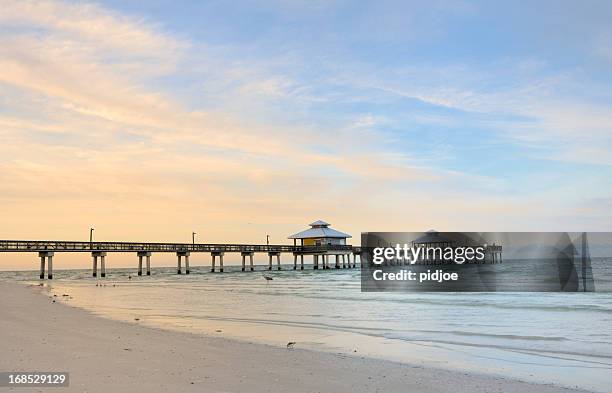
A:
179	255
48	255
50	266
245	254
278	262
42	266
214	256
141	255
95	255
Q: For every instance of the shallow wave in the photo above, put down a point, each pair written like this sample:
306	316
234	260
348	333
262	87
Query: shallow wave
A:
502	336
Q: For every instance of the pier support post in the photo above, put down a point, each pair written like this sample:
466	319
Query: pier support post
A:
214	255
315	262
179	255
278	262
95	255
343	261
337	266
295	261
42	265
301	261
141	255
48	256
50	266
102	265
245	254
348	256
325	261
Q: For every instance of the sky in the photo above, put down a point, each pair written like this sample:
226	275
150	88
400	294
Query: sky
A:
148	120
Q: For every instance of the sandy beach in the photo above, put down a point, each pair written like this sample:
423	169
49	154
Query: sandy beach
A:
101	355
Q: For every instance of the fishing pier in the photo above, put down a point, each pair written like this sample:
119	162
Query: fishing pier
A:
345	255
325	244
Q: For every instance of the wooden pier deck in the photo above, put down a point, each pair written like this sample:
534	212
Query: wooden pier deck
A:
46	250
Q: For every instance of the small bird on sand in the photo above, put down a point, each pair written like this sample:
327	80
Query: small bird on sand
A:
290	344
268	278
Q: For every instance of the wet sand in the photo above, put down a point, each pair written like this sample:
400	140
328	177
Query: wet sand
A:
102	355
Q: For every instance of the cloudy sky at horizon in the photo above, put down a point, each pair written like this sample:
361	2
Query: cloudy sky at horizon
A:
150	119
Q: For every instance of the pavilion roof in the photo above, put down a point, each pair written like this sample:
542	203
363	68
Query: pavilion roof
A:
319	229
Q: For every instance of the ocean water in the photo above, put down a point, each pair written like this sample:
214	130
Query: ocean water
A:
560	338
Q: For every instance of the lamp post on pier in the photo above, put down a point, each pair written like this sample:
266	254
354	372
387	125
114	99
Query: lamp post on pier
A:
91	238
193	237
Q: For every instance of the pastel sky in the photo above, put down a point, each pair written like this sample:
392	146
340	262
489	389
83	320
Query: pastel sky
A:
152	119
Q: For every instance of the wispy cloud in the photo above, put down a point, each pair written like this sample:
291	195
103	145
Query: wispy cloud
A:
110	114
91	24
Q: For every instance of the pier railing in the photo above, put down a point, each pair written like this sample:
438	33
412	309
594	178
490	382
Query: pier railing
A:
79	246
47	249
